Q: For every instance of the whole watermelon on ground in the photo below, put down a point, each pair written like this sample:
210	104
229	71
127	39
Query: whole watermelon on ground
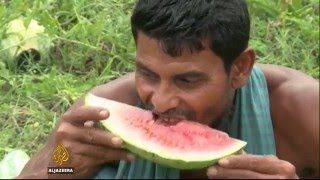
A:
180	144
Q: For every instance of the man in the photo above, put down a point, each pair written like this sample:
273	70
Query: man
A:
193	61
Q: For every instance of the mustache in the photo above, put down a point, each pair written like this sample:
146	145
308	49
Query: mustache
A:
172	113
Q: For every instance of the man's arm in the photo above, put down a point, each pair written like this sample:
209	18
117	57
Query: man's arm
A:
294	99
121	89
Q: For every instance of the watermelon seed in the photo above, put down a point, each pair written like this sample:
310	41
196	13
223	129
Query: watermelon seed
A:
155	116
152	134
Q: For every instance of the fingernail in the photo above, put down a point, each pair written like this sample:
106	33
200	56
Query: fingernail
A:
130	157
103	113
212	171
224	162
89	123
116	141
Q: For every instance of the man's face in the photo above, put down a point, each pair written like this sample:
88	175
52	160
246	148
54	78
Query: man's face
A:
193	86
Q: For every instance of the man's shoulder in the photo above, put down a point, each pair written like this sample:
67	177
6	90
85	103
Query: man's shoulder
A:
279	76
294	105
121	89
291	90
290	85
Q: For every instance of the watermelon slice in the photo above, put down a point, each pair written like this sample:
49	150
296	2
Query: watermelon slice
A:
180	144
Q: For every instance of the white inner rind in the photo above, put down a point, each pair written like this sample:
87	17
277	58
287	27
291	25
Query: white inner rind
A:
135	137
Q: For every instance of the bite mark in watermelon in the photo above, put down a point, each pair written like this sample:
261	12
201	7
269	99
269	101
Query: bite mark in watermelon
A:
182	145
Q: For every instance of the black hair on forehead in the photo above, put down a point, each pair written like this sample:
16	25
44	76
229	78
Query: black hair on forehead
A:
221	25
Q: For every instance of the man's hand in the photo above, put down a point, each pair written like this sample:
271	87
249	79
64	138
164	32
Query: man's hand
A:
88	147
252	167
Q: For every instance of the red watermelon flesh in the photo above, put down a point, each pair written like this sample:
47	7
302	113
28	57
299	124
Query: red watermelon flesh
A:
181	144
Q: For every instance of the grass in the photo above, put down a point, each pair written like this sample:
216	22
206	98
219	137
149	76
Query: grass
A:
93	45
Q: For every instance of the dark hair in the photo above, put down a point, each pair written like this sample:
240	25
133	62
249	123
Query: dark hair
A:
223	25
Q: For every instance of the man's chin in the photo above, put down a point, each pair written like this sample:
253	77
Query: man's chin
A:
223	121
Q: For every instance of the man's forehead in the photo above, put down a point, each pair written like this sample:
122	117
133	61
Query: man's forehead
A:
176	71
150	54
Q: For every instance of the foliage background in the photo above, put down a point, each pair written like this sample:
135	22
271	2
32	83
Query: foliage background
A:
93	45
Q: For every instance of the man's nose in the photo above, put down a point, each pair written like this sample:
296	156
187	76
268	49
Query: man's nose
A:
164	98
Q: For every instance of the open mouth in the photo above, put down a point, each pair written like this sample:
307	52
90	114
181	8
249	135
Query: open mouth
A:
166	120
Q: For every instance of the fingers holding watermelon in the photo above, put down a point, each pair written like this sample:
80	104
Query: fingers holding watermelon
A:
88	142
85	113
87	135
252	166
100	153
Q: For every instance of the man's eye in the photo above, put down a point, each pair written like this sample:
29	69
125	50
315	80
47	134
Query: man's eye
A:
147	74
188	80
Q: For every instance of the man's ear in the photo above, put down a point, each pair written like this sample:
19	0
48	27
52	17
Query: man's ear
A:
242	67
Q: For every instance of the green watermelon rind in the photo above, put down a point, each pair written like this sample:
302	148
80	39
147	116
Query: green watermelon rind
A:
161	159
178	164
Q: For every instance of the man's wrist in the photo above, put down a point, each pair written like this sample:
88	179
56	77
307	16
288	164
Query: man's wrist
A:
40	174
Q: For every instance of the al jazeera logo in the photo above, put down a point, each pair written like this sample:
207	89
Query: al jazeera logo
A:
60	156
